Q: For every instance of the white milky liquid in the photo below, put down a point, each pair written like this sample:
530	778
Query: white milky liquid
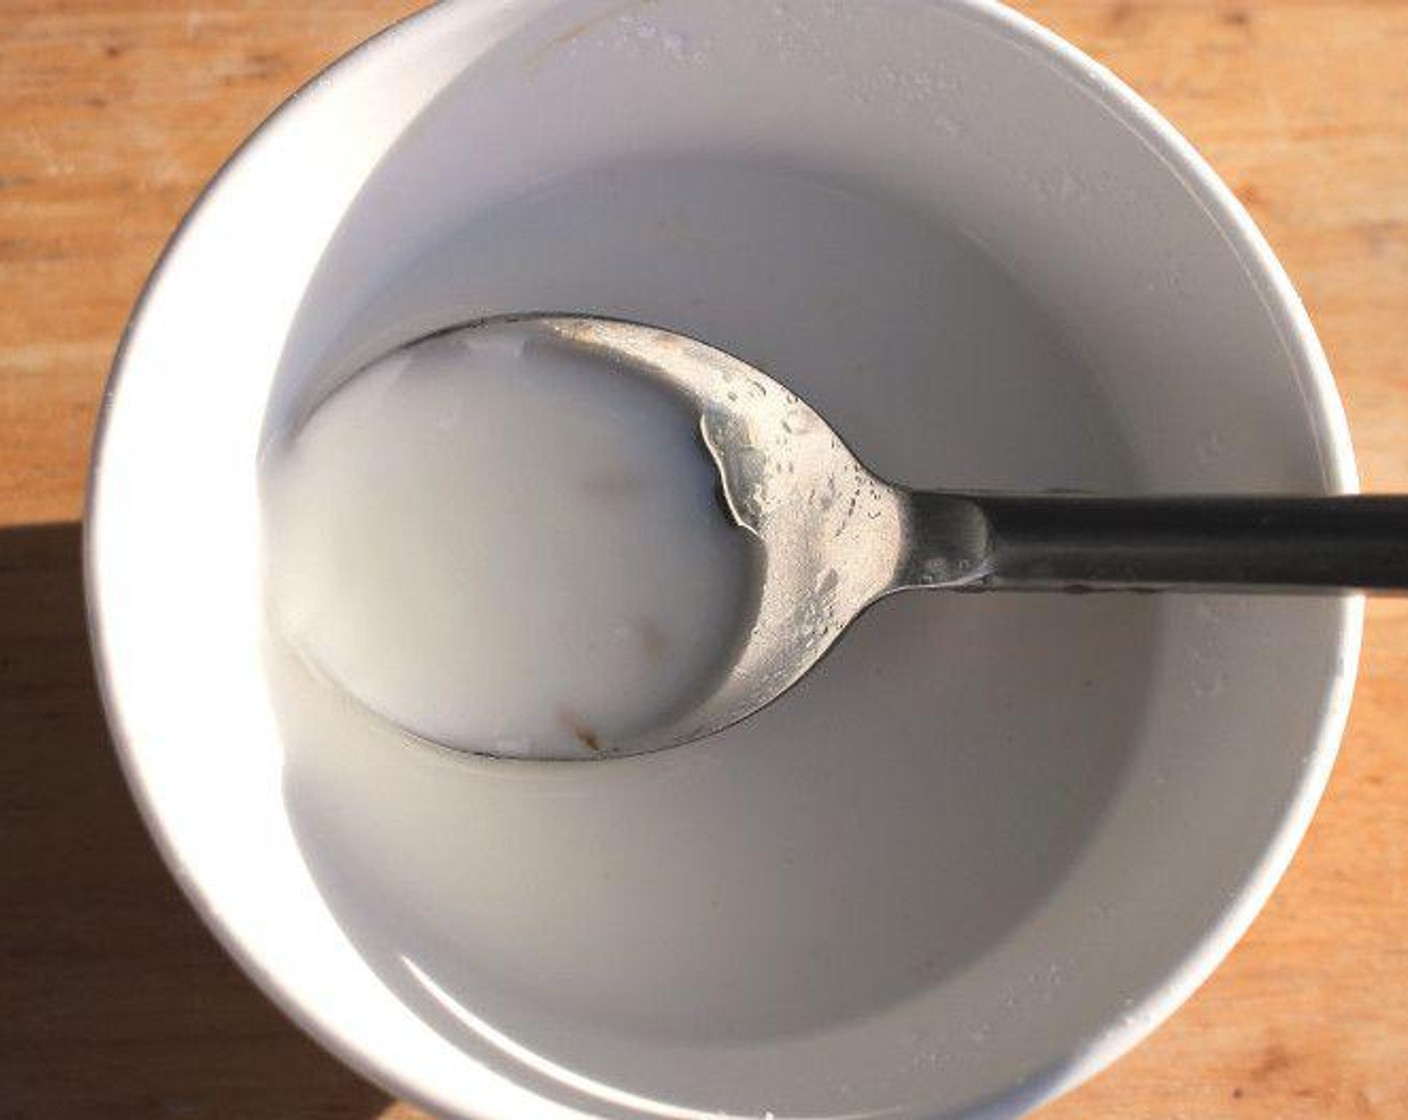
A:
505	548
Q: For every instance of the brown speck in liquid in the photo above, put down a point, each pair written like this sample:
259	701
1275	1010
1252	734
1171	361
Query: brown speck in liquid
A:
584	734
653	642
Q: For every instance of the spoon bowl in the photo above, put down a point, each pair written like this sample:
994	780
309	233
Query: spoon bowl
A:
834	538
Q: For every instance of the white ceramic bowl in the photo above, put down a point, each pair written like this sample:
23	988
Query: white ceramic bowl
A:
992	841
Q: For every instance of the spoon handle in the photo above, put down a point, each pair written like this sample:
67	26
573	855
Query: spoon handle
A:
1198	543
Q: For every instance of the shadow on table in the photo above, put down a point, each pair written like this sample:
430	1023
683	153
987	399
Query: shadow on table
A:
116	1001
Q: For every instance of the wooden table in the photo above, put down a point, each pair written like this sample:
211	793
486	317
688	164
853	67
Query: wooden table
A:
115	1003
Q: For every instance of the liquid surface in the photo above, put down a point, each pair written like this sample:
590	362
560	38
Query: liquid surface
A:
713	910
504	547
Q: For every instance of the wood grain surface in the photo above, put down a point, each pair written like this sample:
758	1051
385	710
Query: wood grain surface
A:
115	1003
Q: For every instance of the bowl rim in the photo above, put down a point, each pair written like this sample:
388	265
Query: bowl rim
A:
1329	426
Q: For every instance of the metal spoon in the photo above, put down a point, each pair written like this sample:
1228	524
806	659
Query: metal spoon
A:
835	538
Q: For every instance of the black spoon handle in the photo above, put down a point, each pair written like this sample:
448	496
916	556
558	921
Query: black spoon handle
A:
1201	543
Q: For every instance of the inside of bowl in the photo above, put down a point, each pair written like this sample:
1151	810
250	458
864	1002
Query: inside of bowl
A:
989	838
